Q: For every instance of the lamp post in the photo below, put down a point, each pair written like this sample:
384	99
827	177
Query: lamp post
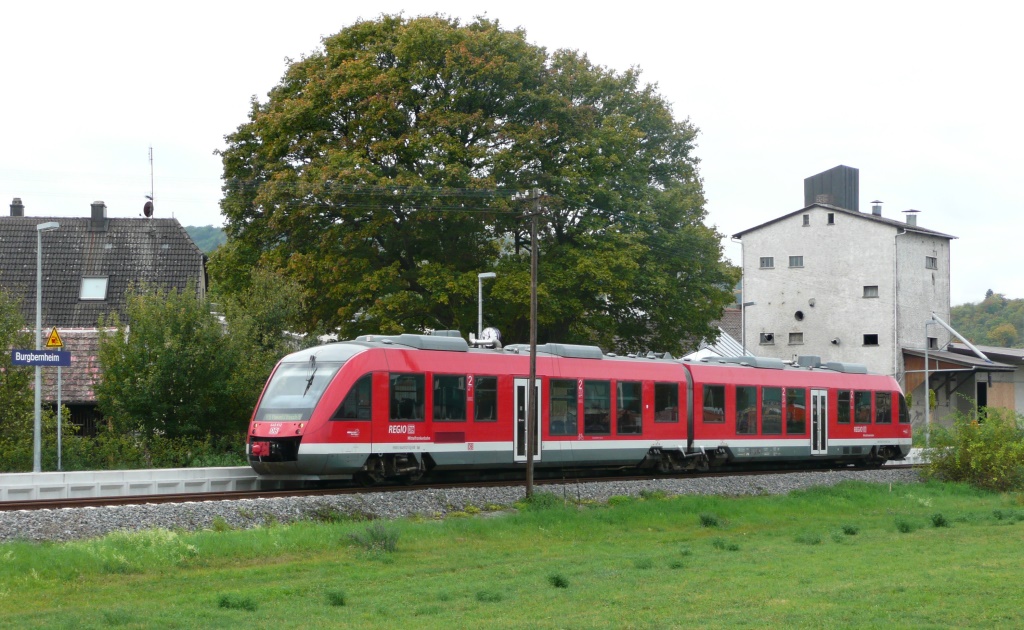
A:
480	300
37	442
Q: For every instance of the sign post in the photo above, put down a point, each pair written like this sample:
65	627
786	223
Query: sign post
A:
38	359
54	341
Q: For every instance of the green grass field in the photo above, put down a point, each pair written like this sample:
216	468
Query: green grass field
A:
854	555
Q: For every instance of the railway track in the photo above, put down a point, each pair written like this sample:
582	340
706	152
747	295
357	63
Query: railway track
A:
97	502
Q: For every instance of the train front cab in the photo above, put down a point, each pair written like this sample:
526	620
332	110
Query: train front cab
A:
290	435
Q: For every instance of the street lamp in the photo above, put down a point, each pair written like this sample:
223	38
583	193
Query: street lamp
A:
37	442
480	300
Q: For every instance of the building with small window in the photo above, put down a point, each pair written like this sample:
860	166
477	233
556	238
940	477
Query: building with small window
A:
859	286
88	265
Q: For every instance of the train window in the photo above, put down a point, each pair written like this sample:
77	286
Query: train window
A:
883	408
771	410
714	404
485	399
294	390
356	405
627	403
862	407
597	407
449	398
746	410
407	396
666	402
562	416
904	412
796	411
844	408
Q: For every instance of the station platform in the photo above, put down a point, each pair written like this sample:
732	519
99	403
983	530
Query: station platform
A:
118	483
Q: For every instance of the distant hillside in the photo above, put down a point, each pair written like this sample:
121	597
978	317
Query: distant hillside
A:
207	237
995	321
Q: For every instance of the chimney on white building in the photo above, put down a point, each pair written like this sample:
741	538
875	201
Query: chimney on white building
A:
911	216
876	208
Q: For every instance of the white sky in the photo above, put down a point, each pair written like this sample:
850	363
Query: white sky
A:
925	98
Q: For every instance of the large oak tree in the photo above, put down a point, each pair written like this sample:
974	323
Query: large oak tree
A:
380	175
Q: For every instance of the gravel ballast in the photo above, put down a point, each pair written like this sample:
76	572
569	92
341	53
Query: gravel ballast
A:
80	523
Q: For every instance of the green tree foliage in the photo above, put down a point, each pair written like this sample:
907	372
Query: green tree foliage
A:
179	372
995	321
987	452
206	237
378	175
16	397
170	372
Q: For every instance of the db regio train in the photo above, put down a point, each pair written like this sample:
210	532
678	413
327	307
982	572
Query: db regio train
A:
394	407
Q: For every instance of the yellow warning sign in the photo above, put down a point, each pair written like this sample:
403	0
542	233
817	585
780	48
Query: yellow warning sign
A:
54	340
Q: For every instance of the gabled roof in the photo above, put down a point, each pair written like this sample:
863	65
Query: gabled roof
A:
128	252
867	216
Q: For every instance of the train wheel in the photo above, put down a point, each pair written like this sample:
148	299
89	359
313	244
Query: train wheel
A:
366	479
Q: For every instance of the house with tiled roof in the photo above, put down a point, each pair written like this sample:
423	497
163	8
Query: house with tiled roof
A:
88	265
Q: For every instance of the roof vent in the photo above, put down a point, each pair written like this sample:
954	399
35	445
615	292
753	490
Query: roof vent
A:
911	216
876	208
808	361
17	208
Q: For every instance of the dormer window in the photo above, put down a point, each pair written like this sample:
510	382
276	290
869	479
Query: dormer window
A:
93	289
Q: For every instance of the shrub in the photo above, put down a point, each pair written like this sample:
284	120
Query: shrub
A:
558	580
237	602
850	530
708	520
336	598
378	537
904	526
541	501
938	520
987	452
488	597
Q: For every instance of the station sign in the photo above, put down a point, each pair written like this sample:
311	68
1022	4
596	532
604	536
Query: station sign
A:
42	358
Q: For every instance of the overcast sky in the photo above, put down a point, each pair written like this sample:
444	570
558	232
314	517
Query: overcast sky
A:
925	98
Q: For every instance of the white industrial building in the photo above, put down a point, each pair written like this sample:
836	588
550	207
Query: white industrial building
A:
859	287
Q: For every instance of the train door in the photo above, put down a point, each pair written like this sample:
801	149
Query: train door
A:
522	386
819	422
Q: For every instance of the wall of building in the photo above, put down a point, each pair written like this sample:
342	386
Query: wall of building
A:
921	291
839	260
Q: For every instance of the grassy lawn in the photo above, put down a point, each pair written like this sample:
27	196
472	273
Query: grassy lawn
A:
854	555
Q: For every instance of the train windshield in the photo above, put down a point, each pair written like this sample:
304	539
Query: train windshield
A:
295	389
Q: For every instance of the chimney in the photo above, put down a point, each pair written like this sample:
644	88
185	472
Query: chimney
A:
911	216
98	222
876	208
17	208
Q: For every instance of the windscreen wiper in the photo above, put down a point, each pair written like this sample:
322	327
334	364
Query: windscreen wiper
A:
309	381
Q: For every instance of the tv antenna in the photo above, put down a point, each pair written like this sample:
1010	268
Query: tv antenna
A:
148	208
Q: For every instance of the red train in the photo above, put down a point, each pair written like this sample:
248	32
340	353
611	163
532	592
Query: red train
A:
394	407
